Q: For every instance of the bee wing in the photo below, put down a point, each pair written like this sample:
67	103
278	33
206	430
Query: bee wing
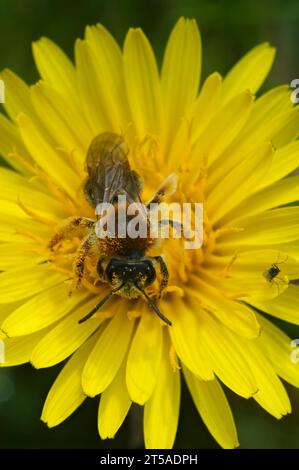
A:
121	180
109	172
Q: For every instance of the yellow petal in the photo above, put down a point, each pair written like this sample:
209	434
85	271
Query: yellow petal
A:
55	68
206	104
9	141
5	310
227	357
18	254
41	310
250	72
16	188
256	288
290	249
278	194
108	61
277	346
12	209
92	95
280	130
65	125
66	394
223	128
285	161
142	83
275	226
232	314
17	97
180	72
289	131
284	306
246	279
18	350
185	335
114	405
107	355
214	409
46	156
252	264
144	359
65	338
20	212
21	283
161	411
267	106
271	394
239	183
18	231
197	119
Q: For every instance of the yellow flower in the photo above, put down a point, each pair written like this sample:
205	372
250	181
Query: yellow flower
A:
231	152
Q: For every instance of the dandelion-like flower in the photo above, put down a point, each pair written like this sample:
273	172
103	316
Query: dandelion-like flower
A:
231	152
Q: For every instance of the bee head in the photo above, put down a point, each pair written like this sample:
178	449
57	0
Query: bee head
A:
127	276
131	271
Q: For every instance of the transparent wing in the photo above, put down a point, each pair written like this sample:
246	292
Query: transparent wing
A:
109	172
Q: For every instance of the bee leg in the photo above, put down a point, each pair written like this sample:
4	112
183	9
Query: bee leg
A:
167	188
281	262
164	273
274	282
69	228
79	263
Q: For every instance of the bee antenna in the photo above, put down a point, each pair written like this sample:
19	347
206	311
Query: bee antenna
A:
101	303
154	306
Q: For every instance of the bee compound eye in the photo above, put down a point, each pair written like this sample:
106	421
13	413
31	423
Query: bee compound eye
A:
150	273
116	269
110	270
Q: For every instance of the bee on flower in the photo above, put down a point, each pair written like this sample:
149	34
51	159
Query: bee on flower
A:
157	313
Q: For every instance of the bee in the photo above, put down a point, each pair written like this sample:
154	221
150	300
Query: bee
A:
122	262
273	271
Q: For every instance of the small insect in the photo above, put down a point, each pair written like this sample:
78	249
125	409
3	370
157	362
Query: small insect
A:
122	262
273	271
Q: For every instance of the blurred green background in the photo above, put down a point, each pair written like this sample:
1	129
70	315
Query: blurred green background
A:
229	29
